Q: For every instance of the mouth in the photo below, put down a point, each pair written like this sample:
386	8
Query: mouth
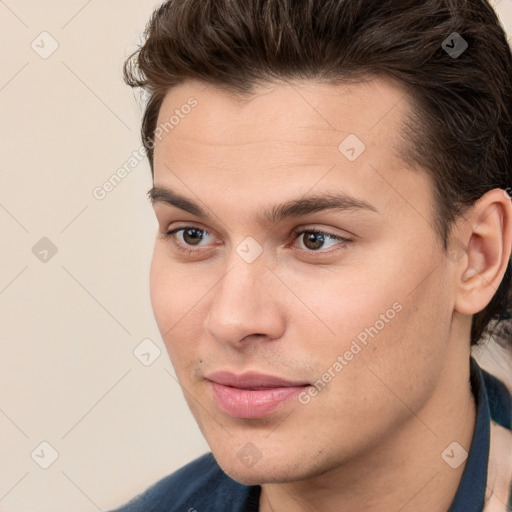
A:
252	395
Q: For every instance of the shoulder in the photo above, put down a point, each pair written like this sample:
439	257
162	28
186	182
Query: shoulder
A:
199	485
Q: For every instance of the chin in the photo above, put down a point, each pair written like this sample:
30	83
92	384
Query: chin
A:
256	476
265	470
247	477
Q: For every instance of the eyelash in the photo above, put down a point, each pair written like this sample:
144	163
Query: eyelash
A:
169	235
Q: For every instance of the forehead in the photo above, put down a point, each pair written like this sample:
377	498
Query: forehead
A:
291	137
287	111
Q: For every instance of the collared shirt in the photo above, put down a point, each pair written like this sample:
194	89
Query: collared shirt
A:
486	483
485	486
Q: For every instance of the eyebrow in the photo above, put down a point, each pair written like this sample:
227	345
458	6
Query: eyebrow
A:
290	209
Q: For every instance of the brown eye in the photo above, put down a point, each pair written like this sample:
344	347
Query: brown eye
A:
192	236
187	238
313	241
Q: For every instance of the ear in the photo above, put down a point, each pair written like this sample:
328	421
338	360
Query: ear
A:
484	238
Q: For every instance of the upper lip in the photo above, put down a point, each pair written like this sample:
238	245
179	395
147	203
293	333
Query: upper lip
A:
252	380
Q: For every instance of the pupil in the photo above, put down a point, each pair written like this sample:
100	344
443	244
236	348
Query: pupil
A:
316	239
195	237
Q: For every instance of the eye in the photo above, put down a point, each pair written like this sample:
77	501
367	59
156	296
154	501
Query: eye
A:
187	237
314	239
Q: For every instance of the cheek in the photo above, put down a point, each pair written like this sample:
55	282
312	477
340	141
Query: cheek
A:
344	304
175	290
380	316
173	306
398	362
404	356
160	284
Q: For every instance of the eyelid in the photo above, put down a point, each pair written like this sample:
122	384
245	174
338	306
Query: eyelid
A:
345	235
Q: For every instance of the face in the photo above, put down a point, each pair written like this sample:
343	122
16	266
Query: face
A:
292	326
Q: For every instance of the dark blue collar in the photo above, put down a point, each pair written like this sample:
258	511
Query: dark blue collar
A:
470	495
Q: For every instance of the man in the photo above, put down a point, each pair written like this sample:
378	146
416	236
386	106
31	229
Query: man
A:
330	184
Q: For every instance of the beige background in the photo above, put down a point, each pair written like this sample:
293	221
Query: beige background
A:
70	322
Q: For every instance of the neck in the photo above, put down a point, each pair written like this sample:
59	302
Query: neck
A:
405	471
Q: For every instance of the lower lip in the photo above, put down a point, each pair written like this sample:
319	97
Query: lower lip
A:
250	404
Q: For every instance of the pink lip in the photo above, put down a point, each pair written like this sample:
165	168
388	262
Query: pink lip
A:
252	395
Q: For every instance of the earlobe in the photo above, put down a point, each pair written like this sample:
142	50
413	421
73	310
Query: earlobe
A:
488	234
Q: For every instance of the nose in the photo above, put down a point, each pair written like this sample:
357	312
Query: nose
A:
244	307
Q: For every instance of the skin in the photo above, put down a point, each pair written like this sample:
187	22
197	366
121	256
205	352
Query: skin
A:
372	438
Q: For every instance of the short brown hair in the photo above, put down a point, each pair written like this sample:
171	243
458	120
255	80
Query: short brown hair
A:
460	126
